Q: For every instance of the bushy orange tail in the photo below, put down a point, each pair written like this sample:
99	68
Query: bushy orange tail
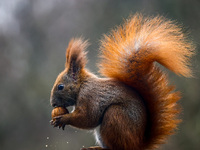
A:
129	53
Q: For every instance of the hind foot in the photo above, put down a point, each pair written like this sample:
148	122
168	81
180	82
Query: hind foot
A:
95	148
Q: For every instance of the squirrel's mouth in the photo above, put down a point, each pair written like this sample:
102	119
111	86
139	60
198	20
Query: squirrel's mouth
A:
62	103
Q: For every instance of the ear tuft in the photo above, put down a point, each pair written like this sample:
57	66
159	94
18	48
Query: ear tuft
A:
76	55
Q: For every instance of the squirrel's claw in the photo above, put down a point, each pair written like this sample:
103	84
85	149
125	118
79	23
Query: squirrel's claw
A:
56	122
63	127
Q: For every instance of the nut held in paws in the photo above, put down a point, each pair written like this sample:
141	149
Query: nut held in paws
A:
59	111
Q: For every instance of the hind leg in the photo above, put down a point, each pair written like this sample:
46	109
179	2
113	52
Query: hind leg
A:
98	140
122	128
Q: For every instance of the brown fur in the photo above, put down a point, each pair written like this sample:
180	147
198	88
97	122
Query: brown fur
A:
135	106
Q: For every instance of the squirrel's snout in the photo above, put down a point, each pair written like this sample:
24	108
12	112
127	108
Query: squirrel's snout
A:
56	102
53	103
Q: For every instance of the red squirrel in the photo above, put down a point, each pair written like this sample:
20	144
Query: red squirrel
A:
134	105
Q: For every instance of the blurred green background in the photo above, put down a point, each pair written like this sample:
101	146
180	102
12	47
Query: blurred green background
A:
33	37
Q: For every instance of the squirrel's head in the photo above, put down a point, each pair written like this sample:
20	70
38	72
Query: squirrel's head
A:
66	87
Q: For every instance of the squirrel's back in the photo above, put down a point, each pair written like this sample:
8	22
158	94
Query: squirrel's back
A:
129	54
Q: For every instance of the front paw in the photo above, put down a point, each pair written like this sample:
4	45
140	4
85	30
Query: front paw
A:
59	121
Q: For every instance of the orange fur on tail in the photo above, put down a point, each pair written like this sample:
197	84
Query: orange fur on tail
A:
129	53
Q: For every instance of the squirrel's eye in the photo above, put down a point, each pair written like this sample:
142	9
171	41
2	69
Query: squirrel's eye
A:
60	87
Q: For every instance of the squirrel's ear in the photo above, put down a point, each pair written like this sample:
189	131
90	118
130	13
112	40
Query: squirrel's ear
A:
76	56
